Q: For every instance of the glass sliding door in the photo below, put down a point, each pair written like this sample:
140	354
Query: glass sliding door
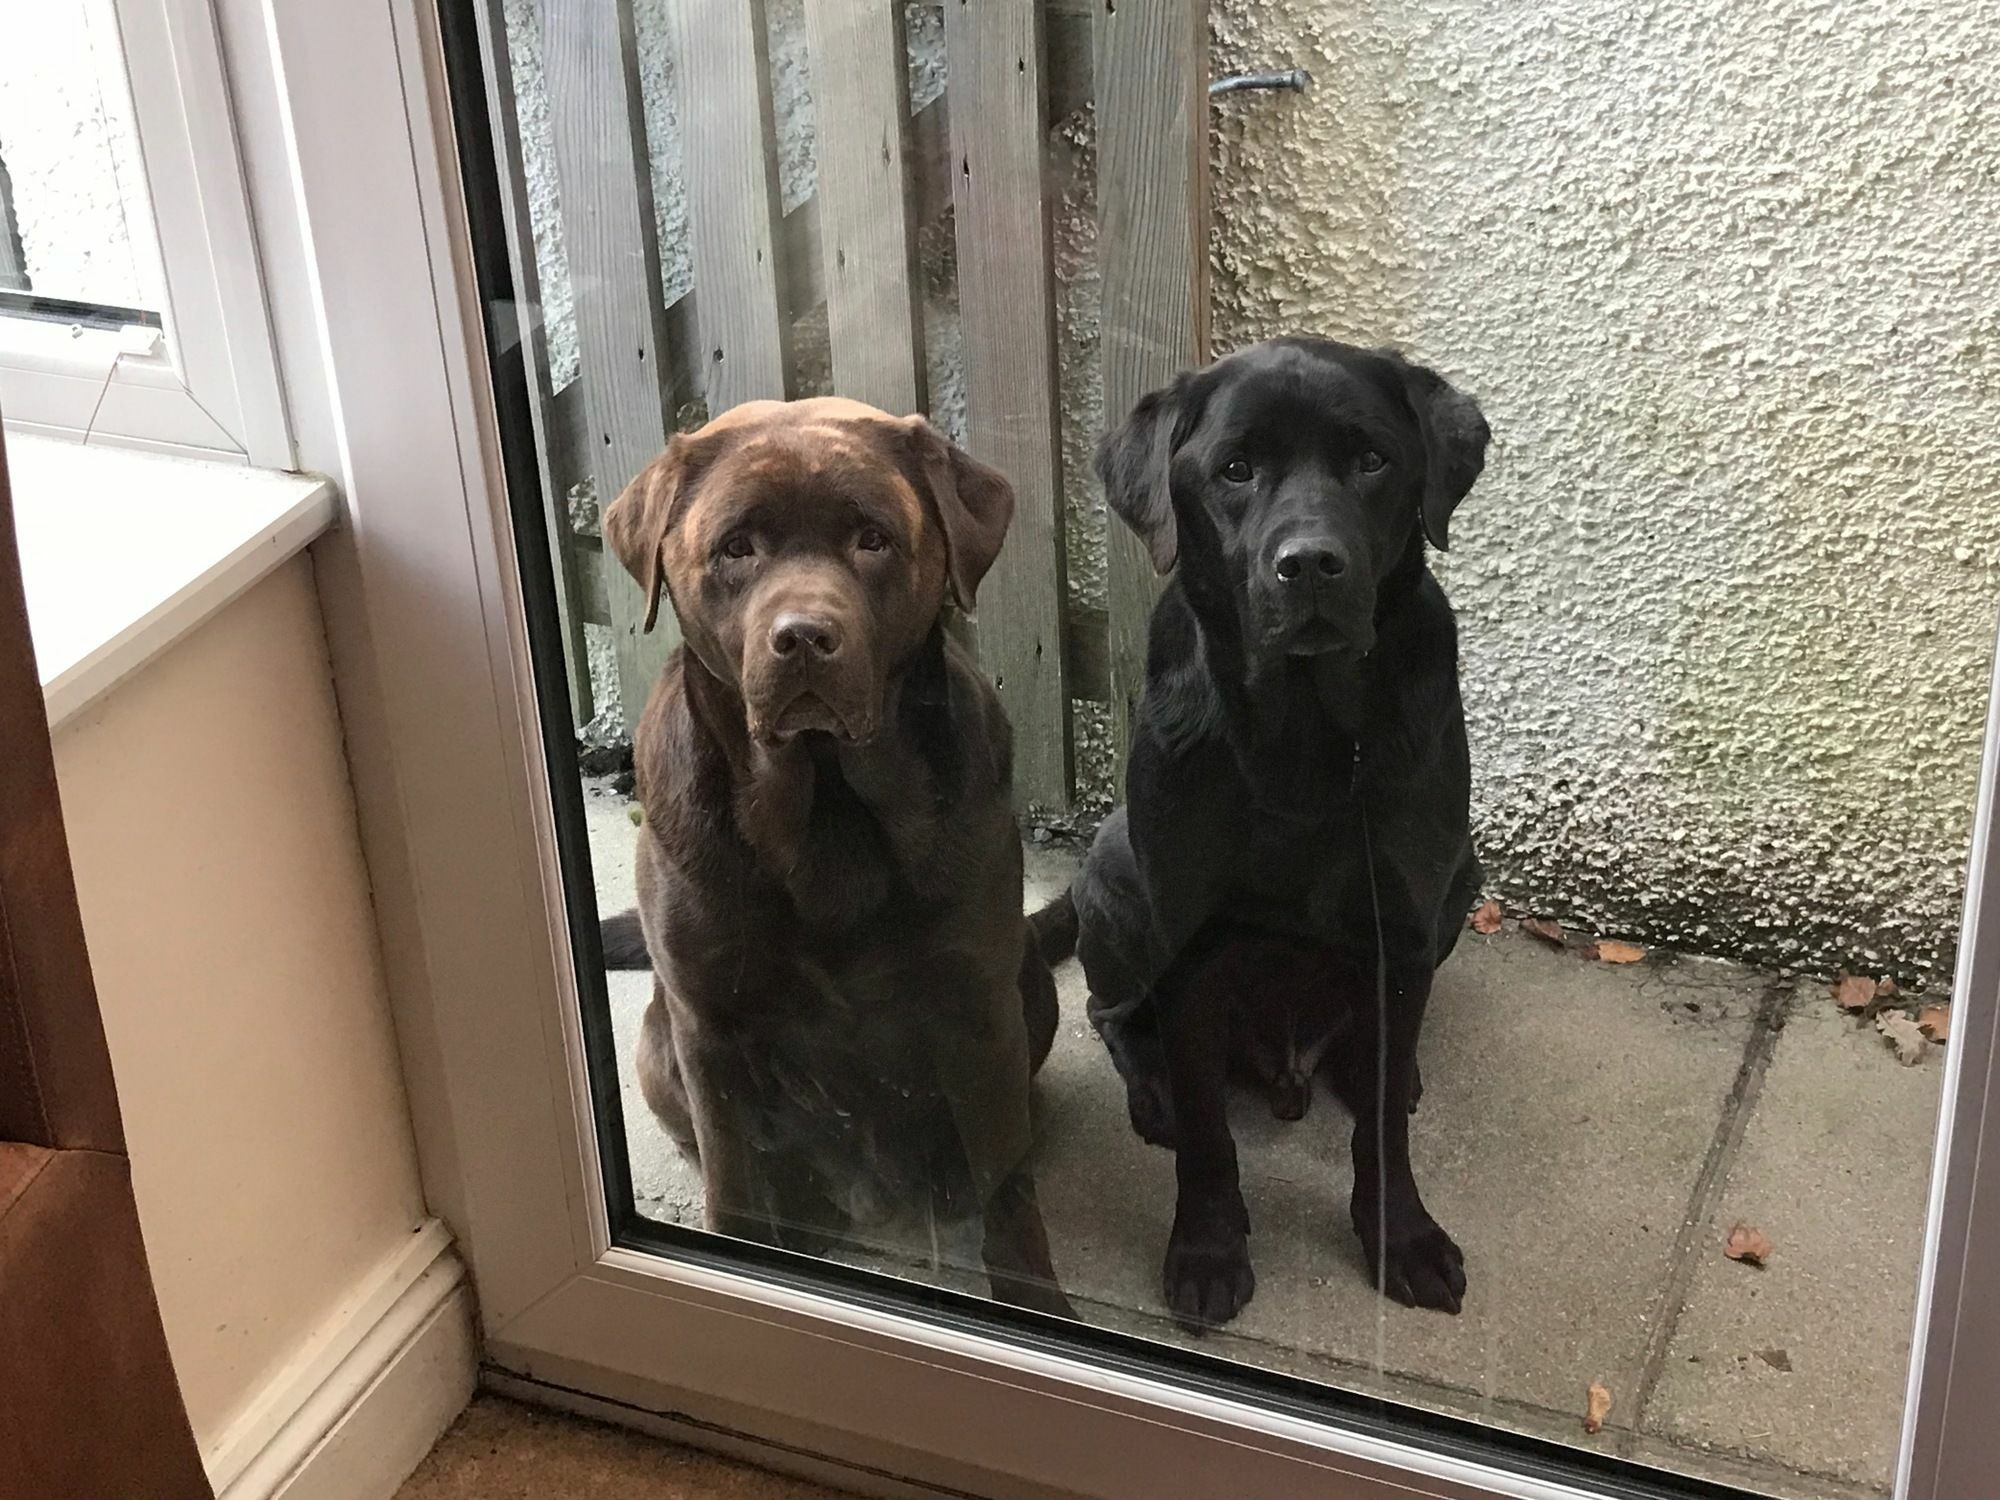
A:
1470	1009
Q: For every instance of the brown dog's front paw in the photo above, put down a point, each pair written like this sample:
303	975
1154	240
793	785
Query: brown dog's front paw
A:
1207	1277
1421	1265
1033	1293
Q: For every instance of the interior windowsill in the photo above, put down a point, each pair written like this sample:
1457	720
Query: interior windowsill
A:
125	552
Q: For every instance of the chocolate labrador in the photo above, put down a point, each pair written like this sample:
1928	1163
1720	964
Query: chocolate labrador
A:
847	1005
1294	859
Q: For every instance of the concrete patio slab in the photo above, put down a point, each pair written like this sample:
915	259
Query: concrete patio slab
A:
1585	1129
1567	1113
1803	1360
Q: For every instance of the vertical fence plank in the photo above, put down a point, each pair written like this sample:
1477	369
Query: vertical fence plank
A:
861	100
1152	205
995	70
534	350
722	77
590	63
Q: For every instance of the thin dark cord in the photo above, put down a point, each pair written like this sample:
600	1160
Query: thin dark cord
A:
214	421
98	405
104	389
1381	1078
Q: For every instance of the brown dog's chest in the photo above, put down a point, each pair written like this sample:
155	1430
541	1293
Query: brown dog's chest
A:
843	874
851	1061
853	845
843	923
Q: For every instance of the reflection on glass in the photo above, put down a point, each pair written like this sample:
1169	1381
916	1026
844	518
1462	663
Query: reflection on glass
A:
1615	1131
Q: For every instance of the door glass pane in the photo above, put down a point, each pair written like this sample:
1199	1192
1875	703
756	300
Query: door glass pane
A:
1541	1026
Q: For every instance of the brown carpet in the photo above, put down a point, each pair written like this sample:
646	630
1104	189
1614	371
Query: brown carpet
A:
501	1450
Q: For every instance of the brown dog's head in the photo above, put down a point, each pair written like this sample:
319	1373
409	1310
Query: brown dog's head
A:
807	547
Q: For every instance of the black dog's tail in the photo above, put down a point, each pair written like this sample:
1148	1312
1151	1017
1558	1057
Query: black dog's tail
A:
624	941
1054	927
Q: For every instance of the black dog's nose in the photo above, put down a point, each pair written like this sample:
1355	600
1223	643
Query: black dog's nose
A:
790	631
1307	559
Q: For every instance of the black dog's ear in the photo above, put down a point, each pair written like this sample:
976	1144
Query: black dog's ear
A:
1133	463
1455	438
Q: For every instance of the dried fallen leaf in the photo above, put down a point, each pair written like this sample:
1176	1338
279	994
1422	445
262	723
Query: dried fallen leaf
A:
1611	951
1748	1244
1934	1021
1887	989
1904	1035
1854	991
1487	918
1597	1407
1777	1359
1541	927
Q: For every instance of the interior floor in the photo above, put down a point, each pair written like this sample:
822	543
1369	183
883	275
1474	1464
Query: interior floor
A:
501	1450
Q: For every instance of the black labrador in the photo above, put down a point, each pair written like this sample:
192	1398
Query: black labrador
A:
1294	859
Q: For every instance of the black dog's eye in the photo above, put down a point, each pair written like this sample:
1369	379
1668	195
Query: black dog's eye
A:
1372	462
1237	471
872	539
738	544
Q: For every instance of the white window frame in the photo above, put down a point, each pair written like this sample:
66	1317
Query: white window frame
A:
206	384
432	662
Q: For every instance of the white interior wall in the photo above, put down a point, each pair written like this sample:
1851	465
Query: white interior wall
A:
226	906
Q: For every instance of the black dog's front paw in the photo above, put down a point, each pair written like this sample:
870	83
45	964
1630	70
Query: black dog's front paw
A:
1151	1105
1207	1277
1421	1265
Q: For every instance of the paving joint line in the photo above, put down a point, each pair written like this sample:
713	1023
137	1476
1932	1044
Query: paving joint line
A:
1773	1010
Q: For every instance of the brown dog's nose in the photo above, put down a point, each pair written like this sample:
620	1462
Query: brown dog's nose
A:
1298	560
791	631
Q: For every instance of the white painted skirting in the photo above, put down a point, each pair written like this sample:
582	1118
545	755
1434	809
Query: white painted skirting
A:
350	1415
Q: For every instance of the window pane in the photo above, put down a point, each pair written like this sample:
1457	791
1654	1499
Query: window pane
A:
75	220
1538	1027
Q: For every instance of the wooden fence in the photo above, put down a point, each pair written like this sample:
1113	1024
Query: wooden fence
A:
884	174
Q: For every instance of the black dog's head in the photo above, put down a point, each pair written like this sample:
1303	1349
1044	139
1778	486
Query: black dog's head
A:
1289	481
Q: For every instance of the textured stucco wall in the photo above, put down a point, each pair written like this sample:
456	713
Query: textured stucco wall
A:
1726	279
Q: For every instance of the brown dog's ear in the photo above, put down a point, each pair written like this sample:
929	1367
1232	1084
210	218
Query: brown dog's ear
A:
1134	464
1455	437
636	524
974	504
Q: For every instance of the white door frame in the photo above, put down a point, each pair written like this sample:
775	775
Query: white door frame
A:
381	331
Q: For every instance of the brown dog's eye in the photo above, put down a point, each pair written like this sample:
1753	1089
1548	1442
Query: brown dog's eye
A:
1372	462
738	544
872	539
1237	471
